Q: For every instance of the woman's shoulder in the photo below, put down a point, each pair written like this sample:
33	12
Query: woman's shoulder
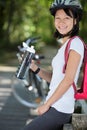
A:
77	41
77	44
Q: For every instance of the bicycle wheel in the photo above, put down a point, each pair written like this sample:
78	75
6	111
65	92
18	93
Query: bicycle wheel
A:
27	94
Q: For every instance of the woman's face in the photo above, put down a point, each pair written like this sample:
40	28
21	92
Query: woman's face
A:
63	22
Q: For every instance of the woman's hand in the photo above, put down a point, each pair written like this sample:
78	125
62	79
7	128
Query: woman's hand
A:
44	74
42	109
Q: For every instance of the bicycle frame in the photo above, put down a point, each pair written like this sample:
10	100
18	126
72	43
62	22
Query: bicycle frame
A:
26	81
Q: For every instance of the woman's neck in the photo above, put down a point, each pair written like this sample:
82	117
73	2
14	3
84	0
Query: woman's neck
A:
65	39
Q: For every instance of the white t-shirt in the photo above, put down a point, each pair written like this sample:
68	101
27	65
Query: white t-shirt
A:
66	102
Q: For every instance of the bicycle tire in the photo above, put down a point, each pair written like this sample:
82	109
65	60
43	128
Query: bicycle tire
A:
24	96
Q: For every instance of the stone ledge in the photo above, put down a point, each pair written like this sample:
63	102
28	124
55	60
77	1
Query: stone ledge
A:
79	121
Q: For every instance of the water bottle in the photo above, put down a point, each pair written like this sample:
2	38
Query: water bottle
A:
25	63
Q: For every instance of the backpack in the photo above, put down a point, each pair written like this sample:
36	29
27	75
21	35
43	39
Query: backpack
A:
82	92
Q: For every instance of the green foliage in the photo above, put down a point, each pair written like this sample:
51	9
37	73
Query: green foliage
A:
83	27
24	18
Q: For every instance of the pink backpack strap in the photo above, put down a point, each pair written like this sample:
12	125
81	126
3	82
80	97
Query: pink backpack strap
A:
66	54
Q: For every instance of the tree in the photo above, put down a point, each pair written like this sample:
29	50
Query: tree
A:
22	19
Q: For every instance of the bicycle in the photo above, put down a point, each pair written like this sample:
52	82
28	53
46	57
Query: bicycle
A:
29	89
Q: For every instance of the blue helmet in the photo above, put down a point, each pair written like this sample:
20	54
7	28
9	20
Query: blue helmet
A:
61	4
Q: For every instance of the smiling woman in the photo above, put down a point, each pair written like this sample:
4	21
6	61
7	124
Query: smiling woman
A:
59	105
64	22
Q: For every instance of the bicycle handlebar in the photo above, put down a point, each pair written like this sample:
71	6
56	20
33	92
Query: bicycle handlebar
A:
32	40
28	41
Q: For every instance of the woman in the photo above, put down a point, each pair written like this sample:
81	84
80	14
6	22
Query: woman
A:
59	105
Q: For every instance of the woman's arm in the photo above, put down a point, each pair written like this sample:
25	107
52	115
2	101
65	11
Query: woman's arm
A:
71	69
42	73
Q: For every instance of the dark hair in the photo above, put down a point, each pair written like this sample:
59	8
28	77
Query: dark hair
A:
75	30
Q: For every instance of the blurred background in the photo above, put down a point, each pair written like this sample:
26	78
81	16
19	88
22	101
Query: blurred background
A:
22	19
19	20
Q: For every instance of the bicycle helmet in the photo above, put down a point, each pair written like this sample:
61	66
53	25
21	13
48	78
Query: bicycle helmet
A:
61	4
